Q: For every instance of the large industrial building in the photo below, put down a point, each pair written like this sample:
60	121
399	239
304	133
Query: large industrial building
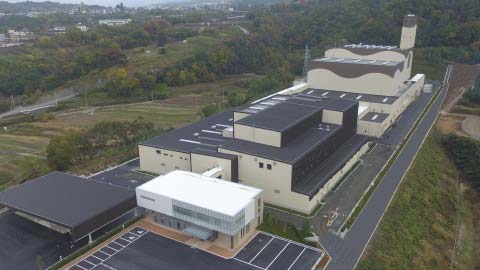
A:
69	204
219	211
297	144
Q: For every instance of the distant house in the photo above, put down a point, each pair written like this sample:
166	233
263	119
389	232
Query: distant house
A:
82	27
114	22
19	35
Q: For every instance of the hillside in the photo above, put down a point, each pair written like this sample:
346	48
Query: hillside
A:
419	229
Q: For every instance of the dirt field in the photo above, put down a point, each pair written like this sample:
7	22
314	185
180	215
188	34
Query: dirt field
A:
471	126
451	123
463	76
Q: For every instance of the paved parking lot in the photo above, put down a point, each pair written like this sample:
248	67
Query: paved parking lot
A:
267	251
140	249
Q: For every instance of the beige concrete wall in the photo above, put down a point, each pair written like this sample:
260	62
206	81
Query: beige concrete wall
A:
374	129
394	110
276	184
224	240
407	40
332	117
258	135
372	83
202	163
239	115
383	55
164	162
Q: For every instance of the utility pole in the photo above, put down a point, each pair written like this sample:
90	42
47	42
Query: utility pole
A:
12	103
305	63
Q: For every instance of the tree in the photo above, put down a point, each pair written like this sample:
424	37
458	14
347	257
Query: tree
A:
39	263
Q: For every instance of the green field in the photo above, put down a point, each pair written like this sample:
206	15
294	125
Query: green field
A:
418	230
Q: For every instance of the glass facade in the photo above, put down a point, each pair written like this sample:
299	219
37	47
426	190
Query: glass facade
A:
208	218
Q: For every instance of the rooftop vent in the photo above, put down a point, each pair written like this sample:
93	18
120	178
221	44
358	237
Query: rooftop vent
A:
374	117
342	95
385	100
324	94
358	97
310	92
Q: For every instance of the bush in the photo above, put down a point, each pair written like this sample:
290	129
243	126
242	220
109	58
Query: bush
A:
465	153
209	110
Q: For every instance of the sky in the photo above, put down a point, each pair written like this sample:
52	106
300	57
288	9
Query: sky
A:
128	3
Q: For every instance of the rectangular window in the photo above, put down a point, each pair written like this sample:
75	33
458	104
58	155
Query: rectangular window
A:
165	154
158	151
163	164
277	191
269	166
260	165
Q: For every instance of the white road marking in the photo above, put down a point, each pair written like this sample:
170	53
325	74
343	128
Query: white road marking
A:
104	252
96	257
261	250
278	255
108	266
296	259
81	266
113	248
256	266
115	241
129	241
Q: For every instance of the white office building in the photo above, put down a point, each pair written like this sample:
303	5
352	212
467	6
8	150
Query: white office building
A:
204	207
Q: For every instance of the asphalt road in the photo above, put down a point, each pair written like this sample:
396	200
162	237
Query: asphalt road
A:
347	252
42	105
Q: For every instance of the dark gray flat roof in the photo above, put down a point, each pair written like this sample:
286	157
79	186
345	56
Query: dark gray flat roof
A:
286	114
206	134
375	117
351	96
292	152
77	203
315	180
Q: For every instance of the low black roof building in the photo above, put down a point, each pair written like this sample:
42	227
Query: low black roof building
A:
79	204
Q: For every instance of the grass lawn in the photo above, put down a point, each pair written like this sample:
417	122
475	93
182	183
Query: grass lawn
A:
419	228
149	58
432	71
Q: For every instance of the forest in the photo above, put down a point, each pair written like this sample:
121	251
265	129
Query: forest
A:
448	31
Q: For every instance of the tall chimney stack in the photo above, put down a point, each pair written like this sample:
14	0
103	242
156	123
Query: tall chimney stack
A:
409	31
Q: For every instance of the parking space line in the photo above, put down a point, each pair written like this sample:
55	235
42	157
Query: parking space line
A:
113	248
261	250
129	241
278	255
96	257
108	266
80	266
114	251
115	241
296	259
256	266
100	250
107	247
293	242
84	260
